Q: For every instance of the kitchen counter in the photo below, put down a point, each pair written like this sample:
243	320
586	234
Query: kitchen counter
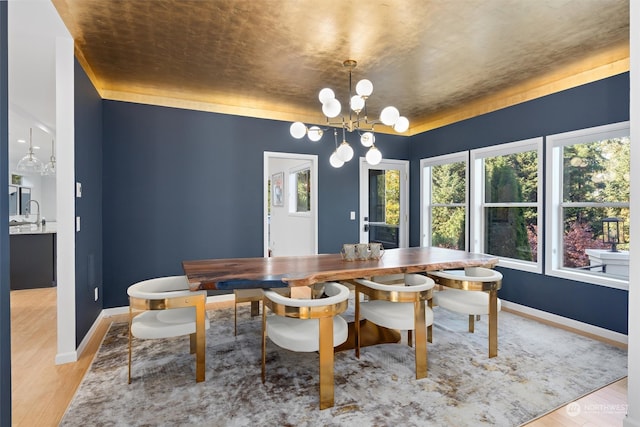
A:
48	228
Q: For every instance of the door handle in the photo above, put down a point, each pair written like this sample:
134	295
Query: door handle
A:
366	227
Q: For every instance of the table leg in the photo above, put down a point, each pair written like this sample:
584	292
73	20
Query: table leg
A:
421	339
493	323
326	362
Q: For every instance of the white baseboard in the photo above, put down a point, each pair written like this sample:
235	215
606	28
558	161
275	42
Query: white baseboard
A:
75	355
564	321
69	357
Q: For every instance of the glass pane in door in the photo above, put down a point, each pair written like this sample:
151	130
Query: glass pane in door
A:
384	207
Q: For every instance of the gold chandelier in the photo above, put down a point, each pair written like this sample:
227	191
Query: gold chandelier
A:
357	121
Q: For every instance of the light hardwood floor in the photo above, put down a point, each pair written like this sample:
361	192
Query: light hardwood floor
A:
42	390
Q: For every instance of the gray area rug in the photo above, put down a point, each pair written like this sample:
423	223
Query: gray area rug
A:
538	369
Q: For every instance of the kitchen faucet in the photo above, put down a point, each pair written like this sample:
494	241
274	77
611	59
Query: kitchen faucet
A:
38	213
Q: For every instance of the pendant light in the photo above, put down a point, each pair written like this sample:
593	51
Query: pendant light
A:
50	168
30	164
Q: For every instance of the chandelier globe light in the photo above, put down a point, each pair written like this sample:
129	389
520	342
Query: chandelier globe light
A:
30	164
356	121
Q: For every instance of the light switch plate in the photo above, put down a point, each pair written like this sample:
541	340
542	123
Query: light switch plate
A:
352	215
77	223
78	189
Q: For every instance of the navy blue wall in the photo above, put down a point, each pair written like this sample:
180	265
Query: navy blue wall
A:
181	184
88	170
602	102
5	316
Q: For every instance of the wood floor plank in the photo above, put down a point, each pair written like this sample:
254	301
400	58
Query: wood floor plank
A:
42	390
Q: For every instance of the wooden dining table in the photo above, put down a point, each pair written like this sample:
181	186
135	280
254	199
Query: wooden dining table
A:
293	271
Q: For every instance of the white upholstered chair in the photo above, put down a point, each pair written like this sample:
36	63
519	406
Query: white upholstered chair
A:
398	302
307	325
165	307
474	291
464	299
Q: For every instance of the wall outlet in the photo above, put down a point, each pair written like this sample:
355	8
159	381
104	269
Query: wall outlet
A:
95	294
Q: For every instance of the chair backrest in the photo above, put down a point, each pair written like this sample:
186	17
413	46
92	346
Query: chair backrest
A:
309	308
477	274
470	279
415	287
408	279
161	288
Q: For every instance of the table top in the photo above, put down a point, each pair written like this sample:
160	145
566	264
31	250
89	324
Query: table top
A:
232	273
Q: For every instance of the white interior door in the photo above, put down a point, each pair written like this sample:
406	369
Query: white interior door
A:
290	204
384	203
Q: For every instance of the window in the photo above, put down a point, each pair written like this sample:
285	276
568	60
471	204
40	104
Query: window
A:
588	181
444	196
506	198
300	190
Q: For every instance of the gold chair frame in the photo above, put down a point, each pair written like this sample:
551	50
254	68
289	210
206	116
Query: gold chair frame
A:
324	314
422	332
491	287
197	340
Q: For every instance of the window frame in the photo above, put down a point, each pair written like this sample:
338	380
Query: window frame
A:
554	202
426	166
293	190
477	202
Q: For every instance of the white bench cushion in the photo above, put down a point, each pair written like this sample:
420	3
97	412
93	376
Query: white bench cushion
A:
303	334
466	302
394	315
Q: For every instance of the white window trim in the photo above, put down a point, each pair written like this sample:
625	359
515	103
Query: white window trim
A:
553	241
425	193
476	204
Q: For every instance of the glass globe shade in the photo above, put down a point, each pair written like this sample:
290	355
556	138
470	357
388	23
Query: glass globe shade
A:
335	161
389	115
364	87
345	152
325	95
30	164
367	139
331	108
315	133
357	103
49	169
374	156
402	124
298	130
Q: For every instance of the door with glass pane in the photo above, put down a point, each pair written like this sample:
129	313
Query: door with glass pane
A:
384	216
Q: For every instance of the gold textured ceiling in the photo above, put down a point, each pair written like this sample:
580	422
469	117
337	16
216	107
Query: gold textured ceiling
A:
438	61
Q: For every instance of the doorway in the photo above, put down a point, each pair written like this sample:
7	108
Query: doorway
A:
290	204
384	203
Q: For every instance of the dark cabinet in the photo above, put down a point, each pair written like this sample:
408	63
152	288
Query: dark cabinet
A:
33	260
